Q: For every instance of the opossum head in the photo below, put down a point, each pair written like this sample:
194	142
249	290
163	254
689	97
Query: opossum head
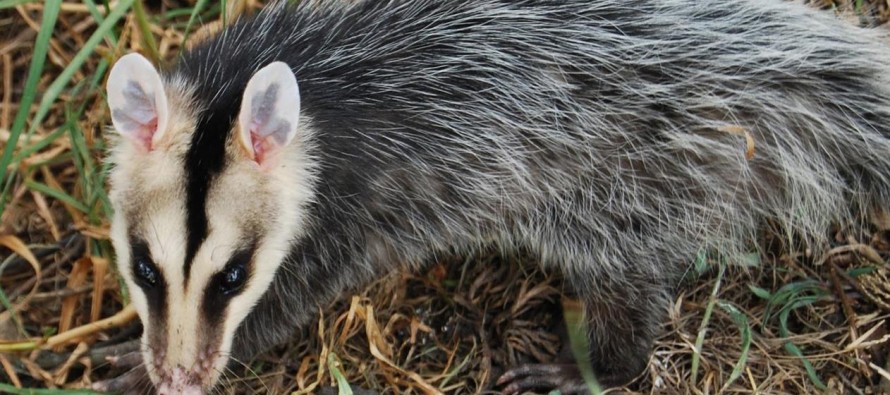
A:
208	198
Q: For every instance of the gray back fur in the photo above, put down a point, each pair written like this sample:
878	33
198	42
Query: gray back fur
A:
608	137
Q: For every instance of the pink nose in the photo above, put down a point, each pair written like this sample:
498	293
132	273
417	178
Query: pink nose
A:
179	382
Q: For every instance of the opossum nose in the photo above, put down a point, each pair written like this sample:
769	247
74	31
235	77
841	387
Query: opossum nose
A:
180	382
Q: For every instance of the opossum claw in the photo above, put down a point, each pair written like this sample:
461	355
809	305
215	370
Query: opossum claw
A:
543	377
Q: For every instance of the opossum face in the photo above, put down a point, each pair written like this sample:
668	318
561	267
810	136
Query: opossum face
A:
205	211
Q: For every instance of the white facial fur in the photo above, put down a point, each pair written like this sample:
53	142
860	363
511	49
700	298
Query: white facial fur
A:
260	195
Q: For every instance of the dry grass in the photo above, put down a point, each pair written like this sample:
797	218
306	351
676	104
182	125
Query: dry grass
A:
786	325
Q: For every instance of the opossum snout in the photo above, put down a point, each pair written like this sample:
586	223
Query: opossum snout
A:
180	381
184	374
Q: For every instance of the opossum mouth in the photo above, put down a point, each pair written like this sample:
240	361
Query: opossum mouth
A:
197	378
179	382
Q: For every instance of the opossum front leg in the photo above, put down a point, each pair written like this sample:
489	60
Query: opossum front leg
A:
623	319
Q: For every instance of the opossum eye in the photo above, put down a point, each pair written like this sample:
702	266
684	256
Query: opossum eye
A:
233	277
146	273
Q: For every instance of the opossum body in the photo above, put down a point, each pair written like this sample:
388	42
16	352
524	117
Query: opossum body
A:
316	146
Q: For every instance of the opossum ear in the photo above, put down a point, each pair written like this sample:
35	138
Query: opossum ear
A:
270	111
137	101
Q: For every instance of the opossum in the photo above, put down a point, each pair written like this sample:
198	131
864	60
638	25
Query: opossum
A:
316	146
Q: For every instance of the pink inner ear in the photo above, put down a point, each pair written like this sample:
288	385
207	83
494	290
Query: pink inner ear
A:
261	145
146	133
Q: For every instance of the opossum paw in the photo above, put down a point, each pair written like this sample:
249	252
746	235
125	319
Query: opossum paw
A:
133	382
543	378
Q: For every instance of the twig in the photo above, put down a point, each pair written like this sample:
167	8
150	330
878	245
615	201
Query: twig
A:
49	359
61	293
852	318
10	372
122	317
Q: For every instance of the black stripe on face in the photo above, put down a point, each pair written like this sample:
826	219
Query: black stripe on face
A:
150	279
205	160
227	283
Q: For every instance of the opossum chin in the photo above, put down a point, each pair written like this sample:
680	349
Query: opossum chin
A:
196	377
180	382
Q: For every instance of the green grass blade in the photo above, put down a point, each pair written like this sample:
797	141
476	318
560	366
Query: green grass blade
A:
4	4
10	389
57	194
703	328
7	304
199	6
98	77
343	387
788	294
103	195
741	321
760	292
787	299
97	16
80	153
176	13
858	271
147	37
43	143
91	180
577	328
807	365
41	47
792	348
